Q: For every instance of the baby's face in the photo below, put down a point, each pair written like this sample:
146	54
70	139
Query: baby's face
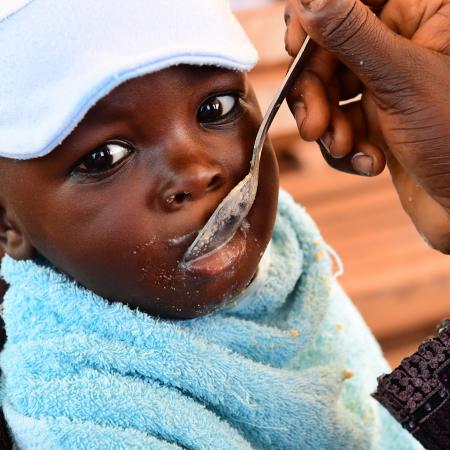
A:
118	203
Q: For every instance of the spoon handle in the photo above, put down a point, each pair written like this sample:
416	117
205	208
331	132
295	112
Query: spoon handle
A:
287	84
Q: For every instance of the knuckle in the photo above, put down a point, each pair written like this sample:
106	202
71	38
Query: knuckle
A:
290	50
287	14
345	29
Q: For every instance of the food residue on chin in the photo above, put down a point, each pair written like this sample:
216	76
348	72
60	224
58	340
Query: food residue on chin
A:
177	240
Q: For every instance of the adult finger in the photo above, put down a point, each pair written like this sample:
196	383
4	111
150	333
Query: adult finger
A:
339	136
350	85
294	34
364	157
310	106
353	33
308	100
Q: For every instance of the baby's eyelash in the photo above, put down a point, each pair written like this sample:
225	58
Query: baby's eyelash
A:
103	159
219	109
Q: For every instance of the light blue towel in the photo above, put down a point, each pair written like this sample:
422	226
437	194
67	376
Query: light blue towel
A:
272	372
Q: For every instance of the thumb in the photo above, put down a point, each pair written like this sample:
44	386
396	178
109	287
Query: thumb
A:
355	36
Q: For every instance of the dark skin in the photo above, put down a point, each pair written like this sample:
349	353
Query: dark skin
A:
400	62
117	204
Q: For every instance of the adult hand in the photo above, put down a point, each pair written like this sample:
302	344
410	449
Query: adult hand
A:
402	59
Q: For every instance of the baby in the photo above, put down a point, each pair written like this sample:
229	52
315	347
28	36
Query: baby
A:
122	126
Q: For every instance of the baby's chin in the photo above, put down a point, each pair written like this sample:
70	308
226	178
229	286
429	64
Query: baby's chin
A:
206	288
209	303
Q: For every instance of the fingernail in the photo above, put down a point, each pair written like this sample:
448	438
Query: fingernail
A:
287	17
300	114
327	139
324	147
363	164
306	3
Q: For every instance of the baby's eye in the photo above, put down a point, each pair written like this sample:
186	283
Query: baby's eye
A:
217	108
104	158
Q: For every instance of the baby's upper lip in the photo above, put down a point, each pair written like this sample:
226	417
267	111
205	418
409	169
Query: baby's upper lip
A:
185	239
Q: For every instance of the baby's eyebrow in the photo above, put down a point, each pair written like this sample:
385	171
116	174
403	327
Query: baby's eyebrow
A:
89	135
111	106
229	76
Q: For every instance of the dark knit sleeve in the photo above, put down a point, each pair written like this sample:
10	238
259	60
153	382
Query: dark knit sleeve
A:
417	393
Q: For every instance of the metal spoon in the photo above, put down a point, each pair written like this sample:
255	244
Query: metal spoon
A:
233	209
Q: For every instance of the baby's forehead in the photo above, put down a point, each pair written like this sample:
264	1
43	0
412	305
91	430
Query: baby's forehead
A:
11	171
167	93
165	80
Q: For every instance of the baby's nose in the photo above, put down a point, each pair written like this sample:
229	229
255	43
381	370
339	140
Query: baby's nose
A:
191	184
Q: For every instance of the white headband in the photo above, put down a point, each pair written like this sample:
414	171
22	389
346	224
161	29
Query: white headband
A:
59	57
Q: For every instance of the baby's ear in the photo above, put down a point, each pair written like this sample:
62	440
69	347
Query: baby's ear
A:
12	240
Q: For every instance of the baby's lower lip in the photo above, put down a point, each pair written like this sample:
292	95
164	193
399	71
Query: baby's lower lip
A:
221	260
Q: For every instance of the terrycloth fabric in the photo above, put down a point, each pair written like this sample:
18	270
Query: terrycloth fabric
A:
58	58
272	372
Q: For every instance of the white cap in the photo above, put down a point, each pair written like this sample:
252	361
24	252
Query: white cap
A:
59	57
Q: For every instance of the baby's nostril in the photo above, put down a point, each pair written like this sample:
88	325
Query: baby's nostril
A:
199	186
182	197
215	181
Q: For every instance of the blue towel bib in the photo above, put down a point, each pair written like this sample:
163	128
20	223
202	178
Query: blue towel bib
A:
290	366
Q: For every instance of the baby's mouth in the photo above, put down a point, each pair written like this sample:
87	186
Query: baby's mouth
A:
221	260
